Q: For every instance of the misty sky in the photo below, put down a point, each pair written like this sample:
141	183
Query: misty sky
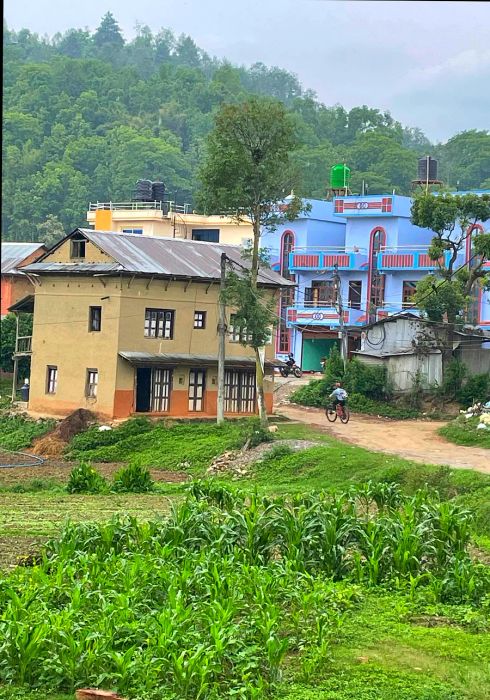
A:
427	62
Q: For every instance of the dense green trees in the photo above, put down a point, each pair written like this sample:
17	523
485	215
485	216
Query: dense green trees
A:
85	115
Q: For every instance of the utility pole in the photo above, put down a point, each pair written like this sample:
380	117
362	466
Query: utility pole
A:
340	309
220	413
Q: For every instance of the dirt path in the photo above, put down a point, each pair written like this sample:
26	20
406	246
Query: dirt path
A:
412	439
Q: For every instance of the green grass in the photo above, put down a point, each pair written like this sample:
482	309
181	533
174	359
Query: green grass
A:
178	446
234	597
463	431
17	432
382	655
379	652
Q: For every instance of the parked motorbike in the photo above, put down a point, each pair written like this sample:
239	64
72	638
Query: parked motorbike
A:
291	369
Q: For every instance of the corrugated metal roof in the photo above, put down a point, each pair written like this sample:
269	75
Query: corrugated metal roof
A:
167	257
149	358
14	253
73	268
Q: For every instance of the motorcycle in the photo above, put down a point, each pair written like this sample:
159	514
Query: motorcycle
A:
291	369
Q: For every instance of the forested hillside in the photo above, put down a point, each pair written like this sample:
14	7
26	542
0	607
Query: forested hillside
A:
86	115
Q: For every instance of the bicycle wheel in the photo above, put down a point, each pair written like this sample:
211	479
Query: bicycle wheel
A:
331	414
345	417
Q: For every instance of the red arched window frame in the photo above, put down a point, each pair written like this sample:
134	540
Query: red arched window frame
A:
471	231
377	241
476	301
283	337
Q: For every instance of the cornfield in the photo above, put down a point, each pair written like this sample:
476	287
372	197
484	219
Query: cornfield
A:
224	595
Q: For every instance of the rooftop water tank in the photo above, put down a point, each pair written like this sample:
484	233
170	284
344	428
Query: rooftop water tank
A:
339	176
157	191
142	191
427	169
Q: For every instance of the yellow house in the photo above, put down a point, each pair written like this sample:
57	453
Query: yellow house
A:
126	324
169	220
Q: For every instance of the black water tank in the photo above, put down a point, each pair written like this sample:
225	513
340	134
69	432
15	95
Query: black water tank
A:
431	163
142	192
157	191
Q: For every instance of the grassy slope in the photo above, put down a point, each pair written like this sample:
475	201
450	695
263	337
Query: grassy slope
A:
379	655
464	432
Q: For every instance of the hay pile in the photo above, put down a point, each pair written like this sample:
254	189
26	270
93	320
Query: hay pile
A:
54	443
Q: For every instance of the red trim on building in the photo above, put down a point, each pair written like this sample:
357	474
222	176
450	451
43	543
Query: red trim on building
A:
370	261
331	260
306	261
397	260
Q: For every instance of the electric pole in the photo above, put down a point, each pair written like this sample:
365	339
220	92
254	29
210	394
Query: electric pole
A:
340	309
220	413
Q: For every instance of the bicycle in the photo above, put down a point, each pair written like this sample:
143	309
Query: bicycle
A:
338	411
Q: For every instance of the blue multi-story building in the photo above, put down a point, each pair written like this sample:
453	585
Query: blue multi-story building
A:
380	256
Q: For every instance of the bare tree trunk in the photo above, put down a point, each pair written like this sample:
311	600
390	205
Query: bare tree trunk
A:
259	372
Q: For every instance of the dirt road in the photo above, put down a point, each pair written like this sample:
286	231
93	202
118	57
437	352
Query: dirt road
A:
412	439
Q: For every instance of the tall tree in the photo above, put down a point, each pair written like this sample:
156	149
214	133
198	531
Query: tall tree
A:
247	171
454	219
108	38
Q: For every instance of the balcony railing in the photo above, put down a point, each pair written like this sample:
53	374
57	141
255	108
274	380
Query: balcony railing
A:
411	258
23	345
165	206
327	258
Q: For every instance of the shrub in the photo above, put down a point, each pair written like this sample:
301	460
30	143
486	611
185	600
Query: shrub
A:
370	381
86	479
454	374
254	434
314	393
476	388
134	479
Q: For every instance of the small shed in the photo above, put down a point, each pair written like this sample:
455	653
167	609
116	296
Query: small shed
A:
403	367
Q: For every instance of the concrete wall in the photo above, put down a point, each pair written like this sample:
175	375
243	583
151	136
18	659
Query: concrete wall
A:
155	223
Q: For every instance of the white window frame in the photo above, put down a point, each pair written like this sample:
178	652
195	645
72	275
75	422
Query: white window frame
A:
92	383
51	379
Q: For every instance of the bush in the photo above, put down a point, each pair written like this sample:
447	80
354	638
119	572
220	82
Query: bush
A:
454	374
86	479
133	479
254	434
317	391
476	388
368	380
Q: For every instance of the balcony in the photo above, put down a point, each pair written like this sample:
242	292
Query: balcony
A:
23	345
307	315
410	258
316	259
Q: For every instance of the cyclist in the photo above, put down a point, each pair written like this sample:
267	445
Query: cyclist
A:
339	396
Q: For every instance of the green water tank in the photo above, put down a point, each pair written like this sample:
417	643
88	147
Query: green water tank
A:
339	176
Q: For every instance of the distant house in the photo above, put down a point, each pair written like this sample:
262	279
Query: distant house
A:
410	347
14	283
127	324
